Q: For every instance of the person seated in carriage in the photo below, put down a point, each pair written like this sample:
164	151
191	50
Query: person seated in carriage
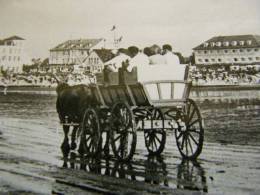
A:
125	68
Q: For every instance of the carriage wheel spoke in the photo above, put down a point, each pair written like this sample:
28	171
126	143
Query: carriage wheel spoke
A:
194	140
188	110
191	116
186	146
155	144
119	136
189	142
179	136
150	141
192	123
182	143
194	131
157	139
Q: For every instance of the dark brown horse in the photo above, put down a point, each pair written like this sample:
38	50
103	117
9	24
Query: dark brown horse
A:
71	103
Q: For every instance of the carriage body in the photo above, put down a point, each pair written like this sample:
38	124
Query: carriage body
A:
145	101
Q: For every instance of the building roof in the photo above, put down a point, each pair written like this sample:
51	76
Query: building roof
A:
83	44
230	42
2	42
104	54
13	38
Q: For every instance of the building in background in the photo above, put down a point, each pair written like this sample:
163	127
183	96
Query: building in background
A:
74	52
12	55
96	60
229	50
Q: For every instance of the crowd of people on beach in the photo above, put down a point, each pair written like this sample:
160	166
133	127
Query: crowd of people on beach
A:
228	75
199	75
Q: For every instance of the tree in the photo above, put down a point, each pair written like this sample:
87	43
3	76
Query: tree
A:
133	50
181	58
124	51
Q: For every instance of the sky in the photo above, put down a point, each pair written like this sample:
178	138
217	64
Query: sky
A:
183	24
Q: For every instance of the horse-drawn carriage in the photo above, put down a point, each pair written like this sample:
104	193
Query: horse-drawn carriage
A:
152	99
146	99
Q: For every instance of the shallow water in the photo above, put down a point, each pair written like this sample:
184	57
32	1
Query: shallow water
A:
30	141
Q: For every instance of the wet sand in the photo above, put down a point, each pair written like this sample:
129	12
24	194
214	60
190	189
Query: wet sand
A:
31	161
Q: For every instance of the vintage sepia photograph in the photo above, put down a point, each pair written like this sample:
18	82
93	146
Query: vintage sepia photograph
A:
129	97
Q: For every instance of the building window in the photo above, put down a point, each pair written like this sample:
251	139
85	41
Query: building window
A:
199	52
200	60
250	58
218	44
205	51
241	50
212	60
234	51
212	44
243	59
248	50
14	58
257	58
219	60
3	50
206	60
249	42
241	43
256	49
235	59
205	44
10	58
234	43
3	58
226	43
226	51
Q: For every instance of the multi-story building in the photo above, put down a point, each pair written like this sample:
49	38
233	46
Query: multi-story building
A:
12	54
74	51
229	50
94	63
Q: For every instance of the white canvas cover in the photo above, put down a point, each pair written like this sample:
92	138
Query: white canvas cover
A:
160	72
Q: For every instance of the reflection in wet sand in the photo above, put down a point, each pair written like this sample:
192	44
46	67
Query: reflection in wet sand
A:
152	170
32	140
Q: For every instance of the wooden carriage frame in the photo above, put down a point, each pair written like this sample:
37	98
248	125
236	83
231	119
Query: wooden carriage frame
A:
125	107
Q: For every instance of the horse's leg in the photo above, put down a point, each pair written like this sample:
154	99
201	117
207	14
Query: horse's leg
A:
65	147
106	146
73	138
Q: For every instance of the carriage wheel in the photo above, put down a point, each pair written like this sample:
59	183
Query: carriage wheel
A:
90	137
190	134
155	137
122	132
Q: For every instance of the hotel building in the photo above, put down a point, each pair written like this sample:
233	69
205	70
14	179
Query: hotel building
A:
12	54
229	50
73	52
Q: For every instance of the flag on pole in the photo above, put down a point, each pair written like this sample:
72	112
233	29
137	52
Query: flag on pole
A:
113	28
120	39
